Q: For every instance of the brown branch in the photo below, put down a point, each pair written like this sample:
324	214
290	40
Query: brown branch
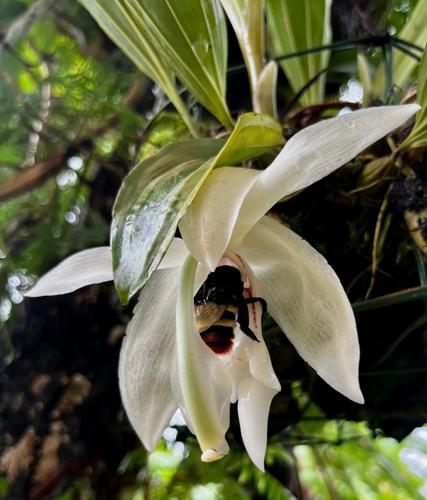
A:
31	177
19	26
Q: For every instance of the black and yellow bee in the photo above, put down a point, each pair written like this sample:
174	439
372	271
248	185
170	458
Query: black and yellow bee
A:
219	305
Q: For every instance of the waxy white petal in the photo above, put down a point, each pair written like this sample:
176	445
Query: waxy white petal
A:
253	408
202	384
314	153
175	255
83	268
306	298
145	358
260	366
208	223
92	266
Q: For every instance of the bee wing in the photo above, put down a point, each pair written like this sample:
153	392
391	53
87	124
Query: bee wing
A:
207	314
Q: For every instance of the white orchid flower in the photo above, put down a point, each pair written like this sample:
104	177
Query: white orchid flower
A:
165	364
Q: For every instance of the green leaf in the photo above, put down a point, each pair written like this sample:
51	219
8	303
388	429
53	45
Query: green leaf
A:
4	487
254	135
364	76
247	19
266	89
114	19
296	25
164	36
151	201
414	31
418	136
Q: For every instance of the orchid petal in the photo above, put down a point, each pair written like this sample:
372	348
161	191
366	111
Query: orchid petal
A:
83	268
145	358
92	266
208	223
201	275
307	300
202	385
314	153
175	254
253	408
260	365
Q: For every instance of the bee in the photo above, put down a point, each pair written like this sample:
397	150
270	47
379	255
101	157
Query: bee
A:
219	305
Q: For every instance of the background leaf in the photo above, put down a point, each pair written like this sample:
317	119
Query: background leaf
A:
254	135
165	36
191	37
414	31
296	25
114	19
266	90
247	19
418	136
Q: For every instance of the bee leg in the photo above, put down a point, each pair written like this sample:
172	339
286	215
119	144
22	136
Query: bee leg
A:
252	300
247	331
243	319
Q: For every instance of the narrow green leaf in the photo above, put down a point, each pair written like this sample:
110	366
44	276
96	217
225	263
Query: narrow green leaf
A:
115	21
296	25
265	91
247	19
170	37
414	31
364	75
191	38
254	135
418	136
151	201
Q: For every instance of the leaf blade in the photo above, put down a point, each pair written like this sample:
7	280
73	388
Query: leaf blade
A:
296	25
414	31
181	33
247	19
418	135
254	134
114	20
168	37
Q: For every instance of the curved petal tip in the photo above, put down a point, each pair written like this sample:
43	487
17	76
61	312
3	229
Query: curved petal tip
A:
211	456
84	268
356	396
253	408
344	381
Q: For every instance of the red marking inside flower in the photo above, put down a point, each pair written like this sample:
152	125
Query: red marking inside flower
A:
253	311
217	342
247	293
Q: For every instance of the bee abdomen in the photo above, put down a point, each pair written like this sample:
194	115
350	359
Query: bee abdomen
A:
219	337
